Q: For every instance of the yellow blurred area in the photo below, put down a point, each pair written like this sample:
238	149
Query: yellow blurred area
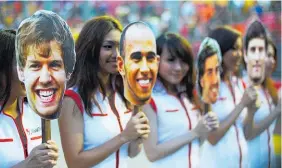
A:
218	2
248	4
75	34
222	3
277	144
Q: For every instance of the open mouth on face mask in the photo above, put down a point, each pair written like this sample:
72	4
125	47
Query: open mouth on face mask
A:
256	80
46	95
214	89
144	83
256	67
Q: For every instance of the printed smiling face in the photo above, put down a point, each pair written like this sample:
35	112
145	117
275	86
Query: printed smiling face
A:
139	67
255	59
210	80
45	78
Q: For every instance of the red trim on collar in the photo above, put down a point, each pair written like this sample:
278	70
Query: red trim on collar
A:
244	84
6	140
173	110
222	98
35	137
24	150
75	96
99	114
153	105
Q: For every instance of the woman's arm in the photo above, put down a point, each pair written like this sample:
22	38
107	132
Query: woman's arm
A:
134	147
156	151
71	131
224	125
251	130
249	97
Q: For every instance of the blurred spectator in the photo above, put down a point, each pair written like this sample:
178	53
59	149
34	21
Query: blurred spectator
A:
196	18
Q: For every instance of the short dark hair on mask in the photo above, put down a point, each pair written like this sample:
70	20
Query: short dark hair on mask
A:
206	52
122	44
7	61
255	30
45	26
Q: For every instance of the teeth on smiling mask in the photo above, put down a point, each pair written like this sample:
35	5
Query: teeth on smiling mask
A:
144	82
214	90
46	95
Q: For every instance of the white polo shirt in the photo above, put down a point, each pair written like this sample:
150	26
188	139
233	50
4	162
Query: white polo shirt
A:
175	117
103	126
232	150
261	151
11	145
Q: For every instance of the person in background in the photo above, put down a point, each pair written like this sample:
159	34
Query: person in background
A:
175	119
96	126
20	127
274	90
261	119
228	141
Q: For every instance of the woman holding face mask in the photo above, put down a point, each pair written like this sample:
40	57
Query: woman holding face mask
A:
260	120
97	127
175	121
20	128
227	146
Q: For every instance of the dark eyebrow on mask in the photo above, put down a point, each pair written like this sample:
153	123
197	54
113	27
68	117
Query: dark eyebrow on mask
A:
151	54
136	55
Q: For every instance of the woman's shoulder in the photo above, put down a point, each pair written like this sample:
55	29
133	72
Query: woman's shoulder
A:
72	99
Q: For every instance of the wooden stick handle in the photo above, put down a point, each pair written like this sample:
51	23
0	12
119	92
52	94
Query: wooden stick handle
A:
206	108
46	130
136	109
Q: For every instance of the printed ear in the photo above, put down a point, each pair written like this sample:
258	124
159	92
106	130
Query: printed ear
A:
202	82
245	57
120	65
20	73
158	59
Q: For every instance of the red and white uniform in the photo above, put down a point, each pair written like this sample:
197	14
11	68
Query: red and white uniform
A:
231	151
12	150
261	151
103	126
175	117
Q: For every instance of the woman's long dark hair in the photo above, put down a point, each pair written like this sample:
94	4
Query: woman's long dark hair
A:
7	54
179	47
88	46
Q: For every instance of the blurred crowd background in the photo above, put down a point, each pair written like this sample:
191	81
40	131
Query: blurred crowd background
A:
192	19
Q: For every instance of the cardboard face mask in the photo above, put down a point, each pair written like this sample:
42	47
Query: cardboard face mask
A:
139	66
255	59
45	59
208	71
